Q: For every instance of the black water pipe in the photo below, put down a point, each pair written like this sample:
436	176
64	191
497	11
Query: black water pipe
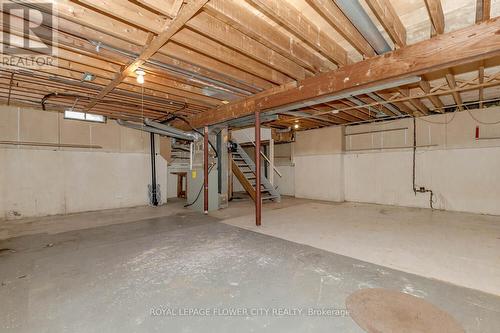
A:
154	196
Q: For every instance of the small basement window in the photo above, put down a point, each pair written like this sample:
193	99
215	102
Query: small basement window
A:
96	118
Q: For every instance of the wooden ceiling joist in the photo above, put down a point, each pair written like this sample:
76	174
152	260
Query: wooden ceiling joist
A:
254	54
217	30
426	88
483	10
387	16
329	10
435	10
234	13
186	13
463	46
450	78
286	15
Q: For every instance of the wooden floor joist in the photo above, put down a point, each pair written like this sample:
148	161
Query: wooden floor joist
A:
186	13
467	45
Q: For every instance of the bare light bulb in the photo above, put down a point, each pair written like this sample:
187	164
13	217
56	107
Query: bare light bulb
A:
140	79
140	76
296	126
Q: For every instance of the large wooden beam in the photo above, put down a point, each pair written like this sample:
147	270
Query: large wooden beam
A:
475	43
390	20
435	10
186	14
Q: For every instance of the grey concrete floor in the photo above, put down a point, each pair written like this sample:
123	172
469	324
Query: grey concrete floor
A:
132	277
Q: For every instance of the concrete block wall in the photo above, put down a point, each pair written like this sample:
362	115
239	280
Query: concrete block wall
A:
38	181
462	171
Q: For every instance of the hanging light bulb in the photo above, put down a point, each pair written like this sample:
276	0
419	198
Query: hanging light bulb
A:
140	76
296	126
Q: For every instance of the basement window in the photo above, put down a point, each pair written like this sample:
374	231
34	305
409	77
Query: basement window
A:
75	115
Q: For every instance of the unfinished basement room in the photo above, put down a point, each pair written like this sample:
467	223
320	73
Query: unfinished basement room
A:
250	166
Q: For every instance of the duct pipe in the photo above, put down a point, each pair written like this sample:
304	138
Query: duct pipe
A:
150	129
188	136
360	19
215	84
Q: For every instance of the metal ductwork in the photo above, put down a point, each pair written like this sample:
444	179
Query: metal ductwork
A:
353	10
172	130
178	134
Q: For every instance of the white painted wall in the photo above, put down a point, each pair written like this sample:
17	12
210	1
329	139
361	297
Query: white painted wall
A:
463	179
319	177
38	181
462	172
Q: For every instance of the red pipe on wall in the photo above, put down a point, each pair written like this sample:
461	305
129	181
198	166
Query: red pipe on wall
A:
205	171
258	201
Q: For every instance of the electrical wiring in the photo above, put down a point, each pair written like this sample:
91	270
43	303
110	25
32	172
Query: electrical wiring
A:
479	121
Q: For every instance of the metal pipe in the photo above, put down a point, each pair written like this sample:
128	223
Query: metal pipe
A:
169	129
391	108
180	71
360	19
258	201
150	129
154	198
342	95
47	144
205	170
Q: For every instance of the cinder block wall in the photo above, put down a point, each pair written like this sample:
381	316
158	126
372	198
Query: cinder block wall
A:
38	181
335	164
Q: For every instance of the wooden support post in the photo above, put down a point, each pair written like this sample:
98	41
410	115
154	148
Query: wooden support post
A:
205	171
258	200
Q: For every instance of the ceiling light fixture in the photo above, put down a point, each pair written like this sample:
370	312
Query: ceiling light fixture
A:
88	77
140	76
296	126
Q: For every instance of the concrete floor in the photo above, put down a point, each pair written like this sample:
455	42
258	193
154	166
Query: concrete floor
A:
129	277
460	248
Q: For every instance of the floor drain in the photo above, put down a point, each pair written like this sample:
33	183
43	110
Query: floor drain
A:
387	311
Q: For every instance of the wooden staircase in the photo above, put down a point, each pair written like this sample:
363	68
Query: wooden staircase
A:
244	169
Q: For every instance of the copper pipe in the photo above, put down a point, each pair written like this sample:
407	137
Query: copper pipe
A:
258	201
205	170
